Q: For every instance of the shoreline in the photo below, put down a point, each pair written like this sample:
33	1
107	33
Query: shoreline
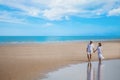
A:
30	61
54	42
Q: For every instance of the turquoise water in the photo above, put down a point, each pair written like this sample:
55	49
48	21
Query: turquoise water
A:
108	70
53	38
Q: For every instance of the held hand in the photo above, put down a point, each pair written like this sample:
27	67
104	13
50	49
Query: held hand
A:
94	51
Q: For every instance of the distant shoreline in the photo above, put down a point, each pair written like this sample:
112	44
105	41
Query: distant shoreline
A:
50	42
52	39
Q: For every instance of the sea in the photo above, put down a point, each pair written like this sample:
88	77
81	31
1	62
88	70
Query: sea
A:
44	39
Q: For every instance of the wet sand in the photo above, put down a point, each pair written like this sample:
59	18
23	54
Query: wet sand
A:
108	70
30	61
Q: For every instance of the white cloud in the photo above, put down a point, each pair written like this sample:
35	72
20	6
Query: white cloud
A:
6	17
63	9
58	13
114	12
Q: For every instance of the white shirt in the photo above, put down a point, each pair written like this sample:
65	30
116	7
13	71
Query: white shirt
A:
90	48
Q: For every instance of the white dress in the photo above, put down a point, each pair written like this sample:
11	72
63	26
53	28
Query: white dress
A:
100	53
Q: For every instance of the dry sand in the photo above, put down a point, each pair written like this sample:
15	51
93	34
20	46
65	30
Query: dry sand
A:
30	61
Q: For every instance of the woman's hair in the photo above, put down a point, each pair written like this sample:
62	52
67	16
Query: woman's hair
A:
99	44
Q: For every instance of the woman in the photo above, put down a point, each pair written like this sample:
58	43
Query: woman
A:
100	56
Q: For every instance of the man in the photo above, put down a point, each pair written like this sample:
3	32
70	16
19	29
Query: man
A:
90	49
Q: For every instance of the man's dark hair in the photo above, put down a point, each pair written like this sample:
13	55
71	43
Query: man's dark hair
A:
91	42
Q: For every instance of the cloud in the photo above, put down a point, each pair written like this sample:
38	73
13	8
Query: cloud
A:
64	9
114	12
7	17
57	13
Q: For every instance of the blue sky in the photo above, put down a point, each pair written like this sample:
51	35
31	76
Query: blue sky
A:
59	18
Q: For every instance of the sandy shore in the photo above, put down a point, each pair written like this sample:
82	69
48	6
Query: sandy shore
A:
30	61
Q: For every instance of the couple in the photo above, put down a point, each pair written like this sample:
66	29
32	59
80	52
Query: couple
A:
90	50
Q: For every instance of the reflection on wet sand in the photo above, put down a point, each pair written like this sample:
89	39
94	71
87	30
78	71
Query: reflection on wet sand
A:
89	72
99	71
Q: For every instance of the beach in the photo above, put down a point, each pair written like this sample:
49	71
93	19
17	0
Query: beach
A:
33	60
